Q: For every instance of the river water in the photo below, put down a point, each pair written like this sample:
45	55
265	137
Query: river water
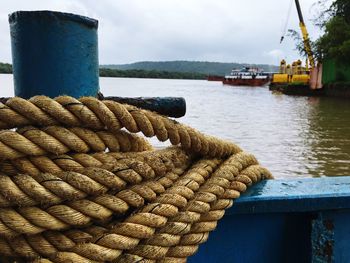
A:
292	136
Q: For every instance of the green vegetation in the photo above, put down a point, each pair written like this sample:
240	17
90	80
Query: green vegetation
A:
152	74
299	43
165	70
335	42
206	68
5	68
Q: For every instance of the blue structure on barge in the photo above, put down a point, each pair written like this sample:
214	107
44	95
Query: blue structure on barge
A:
301	220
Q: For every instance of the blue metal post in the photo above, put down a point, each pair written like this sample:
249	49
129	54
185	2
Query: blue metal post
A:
54	54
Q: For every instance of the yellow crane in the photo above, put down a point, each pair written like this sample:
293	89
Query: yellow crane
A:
305	34
295	73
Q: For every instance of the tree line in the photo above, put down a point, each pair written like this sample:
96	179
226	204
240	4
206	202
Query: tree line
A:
203	67
6	68
152	74
334	43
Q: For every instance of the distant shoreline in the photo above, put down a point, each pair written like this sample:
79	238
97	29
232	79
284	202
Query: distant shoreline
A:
6	68
149	74
165	69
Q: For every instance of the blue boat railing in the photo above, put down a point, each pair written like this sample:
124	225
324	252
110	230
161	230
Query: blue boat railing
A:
300	220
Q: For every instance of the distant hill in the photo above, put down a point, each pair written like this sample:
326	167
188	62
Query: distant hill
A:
130	73
207	68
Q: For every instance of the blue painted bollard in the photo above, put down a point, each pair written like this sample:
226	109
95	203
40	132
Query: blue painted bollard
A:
54	54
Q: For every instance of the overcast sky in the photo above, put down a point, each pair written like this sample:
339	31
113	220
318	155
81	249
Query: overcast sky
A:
158	30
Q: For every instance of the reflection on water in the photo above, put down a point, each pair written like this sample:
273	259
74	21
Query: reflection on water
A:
292	136
329	137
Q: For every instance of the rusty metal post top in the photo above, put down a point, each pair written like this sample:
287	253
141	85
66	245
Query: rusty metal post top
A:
90	22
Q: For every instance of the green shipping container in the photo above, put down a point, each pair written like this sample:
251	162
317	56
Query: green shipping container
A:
334	71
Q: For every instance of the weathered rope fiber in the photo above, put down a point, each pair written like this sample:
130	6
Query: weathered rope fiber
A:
30	141
179	225
100	115
75	187
166	209
48	188
200	223
160	161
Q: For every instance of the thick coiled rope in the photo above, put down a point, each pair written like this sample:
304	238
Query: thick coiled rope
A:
30	141
101	115
78	185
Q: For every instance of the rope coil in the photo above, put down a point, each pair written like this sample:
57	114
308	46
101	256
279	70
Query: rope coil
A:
77	183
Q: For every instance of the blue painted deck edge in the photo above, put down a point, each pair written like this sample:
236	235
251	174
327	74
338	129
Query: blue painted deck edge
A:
298	195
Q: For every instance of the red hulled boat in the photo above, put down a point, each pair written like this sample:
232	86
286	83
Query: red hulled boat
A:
247	77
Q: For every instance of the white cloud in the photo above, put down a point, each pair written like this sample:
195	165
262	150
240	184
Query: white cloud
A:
275	53
274	56
214	30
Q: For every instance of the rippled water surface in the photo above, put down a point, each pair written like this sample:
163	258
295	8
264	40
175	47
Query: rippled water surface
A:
292	136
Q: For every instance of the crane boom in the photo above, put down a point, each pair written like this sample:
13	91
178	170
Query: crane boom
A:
305	34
